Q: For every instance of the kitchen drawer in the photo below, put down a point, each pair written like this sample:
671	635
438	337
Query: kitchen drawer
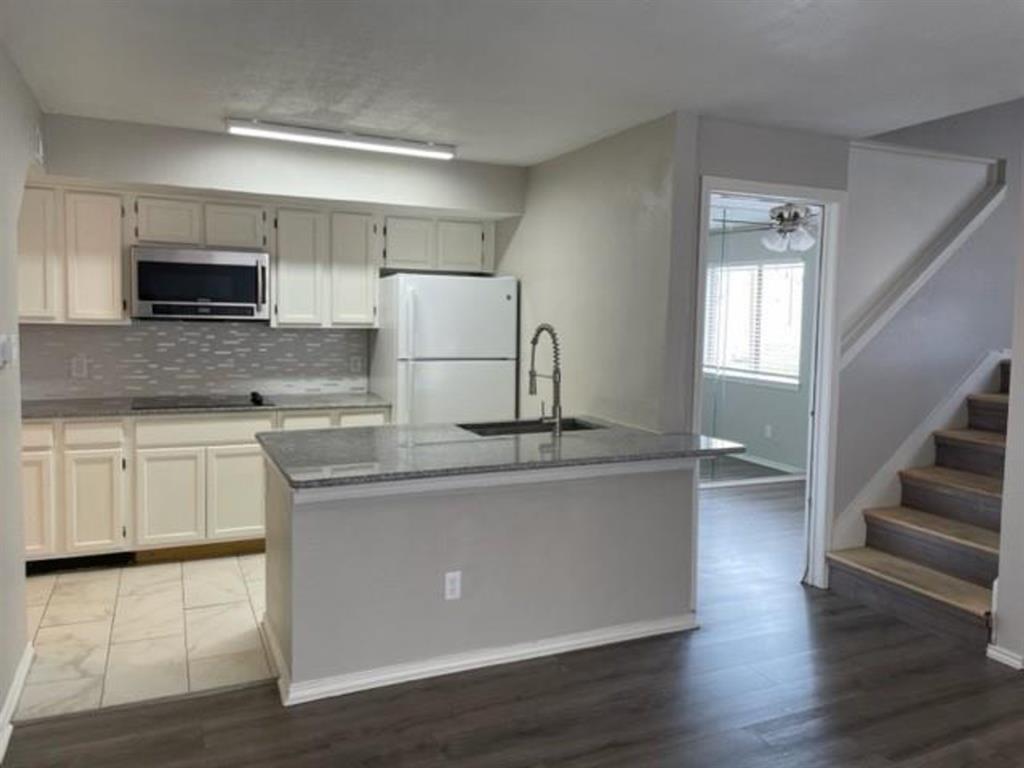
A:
93	434
364	419
201	431
36	436
307	419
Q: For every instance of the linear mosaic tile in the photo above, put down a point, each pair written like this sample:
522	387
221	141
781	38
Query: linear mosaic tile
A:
174	358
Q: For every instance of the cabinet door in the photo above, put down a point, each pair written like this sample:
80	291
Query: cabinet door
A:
234	492
235	226
301	253
353	270
409	243
39	294
460	246
307	420
93	256
37	502
170	490
94	499
160	220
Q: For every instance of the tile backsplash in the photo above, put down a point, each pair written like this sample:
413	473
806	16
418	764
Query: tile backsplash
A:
172	358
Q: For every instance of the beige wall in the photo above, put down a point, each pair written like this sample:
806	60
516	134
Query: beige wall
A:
592	253
19	118
110	151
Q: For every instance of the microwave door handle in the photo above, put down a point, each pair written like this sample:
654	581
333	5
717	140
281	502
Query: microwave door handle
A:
262	286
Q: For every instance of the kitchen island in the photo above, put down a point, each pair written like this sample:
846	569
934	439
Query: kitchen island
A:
397	553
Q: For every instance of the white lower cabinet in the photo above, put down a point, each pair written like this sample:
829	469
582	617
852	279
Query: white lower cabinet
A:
94	491
170	495
38	492
234	492
193	479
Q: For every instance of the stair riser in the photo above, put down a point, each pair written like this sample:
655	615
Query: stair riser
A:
965	506
908	606
986	416
981	460
941	554
1004	376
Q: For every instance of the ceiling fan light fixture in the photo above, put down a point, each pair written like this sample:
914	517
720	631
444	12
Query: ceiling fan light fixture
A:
775	241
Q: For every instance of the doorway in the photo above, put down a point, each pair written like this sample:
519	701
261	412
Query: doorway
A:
766	341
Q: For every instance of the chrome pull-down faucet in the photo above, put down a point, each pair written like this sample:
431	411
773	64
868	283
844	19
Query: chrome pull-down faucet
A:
555	376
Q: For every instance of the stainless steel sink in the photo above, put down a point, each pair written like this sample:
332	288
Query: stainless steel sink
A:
530	427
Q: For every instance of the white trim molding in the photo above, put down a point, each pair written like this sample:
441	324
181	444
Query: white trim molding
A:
932	256
1003	656
825	348
338	685
10	703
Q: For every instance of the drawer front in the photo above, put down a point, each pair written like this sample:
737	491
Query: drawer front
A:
218	431
307	420
364	419
93	434
36	436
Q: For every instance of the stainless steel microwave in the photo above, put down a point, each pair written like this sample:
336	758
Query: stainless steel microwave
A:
195	284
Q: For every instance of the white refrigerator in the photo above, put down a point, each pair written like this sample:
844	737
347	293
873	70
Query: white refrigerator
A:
445	351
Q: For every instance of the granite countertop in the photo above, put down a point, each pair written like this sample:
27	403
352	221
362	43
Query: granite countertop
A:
335	457
99	407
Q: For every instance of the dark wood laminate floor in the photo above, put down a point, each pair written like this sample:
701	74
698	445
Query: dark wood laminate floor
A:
779	676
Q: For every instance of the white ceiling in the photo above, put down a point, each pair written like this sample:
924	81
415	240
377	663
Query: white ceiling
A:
517	81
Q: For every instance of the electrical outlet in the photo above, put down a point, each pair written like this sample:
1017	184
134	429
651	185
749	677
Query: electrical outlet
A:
355	364
769	431
79	367
453	585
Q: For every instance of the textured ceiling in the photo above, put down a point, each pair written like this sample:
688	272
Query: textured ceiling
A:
517	81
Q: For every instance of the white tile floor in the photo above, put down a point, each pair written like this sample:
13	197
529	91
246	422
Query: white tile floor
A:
117	635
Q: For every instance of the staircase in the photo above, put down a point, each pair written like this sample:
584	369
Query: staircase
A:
932	560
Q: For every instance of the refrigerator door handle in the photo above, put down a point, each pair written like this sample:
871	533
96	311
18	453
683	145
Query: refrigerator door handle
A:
410	336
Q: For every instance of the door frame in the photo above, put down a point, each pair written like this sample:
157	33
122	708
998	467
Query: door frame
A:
825	348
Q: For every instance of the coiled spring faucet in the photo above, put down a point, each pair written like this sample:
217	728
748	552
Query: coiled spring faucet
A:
555	376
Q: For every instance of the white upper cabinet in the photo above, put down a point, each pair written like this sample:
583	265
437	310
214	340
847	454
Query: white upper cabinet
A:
301	256
235	226
460	246
93	258
408	243
39	289
163	220
353	270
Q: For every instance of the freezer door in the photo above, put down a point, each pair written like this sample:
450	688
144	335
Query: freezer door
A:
449	317
453	391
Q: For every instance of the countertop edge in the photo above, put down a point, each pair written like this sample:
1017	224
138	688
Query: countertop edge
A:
408	476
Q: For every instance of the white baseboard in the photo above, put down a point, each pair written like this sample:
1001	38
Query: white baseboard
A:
918	449
338	685
10	703
1003	656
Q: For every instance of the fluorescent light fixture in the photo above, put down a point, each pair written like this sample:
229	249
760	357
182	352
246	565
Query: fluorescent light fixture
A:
260	130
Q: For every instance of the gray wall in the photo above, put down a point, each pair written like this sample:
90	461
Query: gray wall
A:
19	118
113	151
592	256
940	335
169	358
